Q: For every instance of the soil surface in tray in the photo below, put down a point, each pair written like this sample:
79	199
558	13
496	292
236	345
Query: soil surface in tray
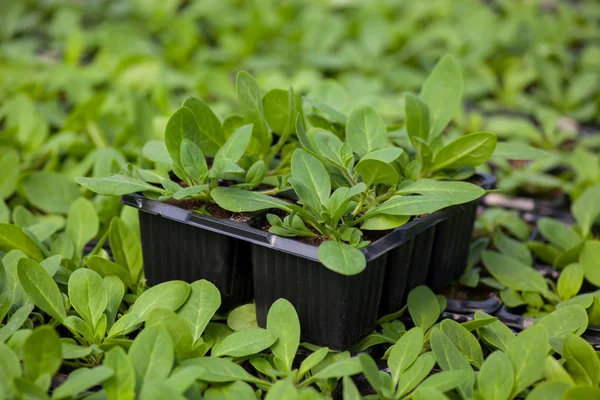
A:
460	292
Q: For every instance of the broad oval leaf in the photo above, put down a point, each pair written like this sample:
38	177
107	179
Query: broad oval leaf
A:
423	307
442	92
590	259
449	358
238	200
117	185
586	209
121	385
496	377
42	353
513	274
181	125
342	258
309	178
417	118
405	352
82	223
219	370
151	355
410	205
467	151
41	288
202	304
87	295
464	340
282	320
12	237
211	136
365	130
51	192
244	343
527	353
81	380
455	192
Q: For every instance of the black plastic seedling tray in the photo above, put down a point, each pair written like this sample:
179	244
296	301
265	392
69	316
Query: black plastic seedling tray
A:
434	251
488	306
334	310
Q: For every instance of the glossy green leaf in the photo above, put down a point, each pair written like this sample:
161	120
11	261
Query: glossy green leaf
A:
442	92
168	295
250	100
586	209
12	237
105	268
117	185
181	125
496	377
464	340
590	259
417	118
527	353
9	163
42	354
41	288
87	295
151	355
365	130
244	343
211	136
416	373
467	151
410	205
518	151
237	200
51	192
219	370
456	192
126	247
233	391
423	307
557	233
376	166
282	321
581	361
201	305
548	391
81	380
121	385
570	281
82	223
242	318
310	179
449	358
513	274
180	333
342	258
495	334
405	352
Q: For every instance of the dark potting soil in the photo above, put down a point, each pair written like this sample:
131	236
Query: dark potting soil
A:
460	292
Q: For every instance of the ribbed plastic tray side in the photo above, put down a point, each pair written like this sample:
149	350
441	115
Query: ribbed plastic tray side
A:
334	310
176	251
451	246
